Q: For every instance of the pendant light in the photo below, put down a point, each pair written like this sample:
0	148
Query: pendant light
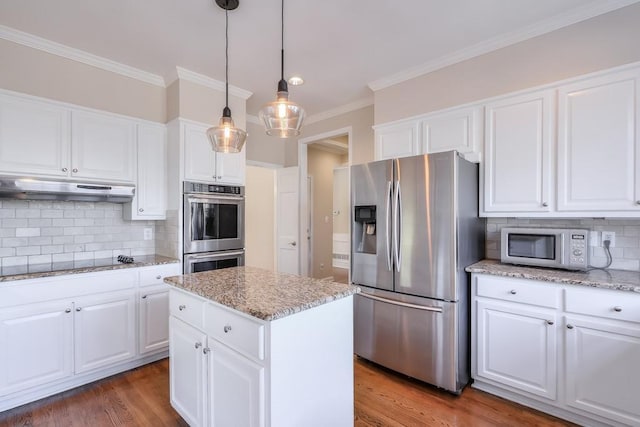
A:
282	118
226	137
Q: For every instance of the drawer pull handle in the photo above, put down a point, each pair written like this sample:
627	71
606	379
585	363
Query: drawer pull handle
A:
198	345
512	292
569	326
206	350
550	322
617	309
227	328
182	307
158	277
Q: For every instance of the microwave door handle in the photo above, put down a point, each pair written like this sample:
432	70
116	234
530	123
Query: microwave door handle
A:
561	248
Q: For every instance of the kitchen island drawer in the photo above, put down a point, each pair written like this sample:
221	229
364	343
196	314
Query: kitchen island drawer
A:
235	330
186	307
154	275
518	290
611	304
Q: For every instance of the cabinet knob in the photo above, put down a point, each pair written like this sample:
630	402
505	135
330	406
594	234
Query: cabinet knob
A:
68	310
227	328
64	169
158	277
182	307
617	309
637	202
550	322
198	345
74	170
545	204
140	210
512	292
144	297
569	326
79	309
206	350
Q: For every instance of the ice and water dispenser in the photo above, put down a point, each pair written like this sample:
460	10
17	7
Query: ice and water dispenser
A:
365	229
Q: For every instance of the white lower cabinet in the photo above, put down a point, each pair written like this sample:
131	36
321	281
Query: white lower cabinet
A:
578	361
154	319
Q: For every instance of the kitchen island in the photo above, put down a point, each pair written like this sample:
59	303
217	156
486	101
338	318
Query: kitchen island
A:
252	347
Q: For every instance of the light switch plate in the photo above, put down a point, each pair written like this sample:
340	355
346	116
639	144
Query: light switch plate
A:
594	238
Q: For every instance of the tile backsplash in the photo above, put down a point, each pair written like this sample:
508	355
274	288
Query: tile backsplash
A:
626	253
40	232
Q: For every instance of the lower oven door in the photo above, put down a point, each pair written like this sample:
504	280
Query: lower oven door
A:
205	261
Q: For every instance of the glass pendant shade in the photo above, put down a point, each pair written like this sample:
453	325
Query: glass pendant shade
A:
282	118
226	138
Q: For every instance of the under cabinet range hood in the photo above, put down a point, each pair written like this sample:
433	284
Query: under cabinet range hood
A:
42	189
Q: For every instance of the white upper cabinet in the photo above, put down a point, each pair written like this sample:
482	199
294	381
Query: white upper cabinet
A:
103	147
598	144
458	129
34	137
516	168
201	163
397	140
150	200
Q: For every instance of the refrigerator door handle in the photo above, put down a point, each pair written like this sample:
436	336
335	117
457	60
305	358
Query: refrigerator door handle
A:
402	304
387	226
397	226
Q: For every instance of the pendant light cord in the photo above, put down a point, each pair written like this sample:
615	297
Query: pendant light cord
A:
282	42
226	56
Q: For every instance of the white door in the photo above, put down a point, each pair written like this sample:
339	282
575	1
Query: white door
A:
34	137
288	219
517	154
188	370
105	331
237	390
602	368
199	158
102	147
35	345
154	319
516	346
150	199
598	144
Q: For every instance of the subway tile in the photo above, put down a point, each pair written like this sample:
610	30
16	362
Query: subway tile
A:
625	264
73	231
61	240
7	232
63	257
40	204
73	213
40	259
52	231
13	242
14	261
28	250
83	238
7	252
40	222
81	256
27	232
85	205
7	213
51	213
82	222
73	248
632	253
14	222
626	242
631	230
16	204
27	213
103	254
52	249
66	222
39	240
94	214
121	251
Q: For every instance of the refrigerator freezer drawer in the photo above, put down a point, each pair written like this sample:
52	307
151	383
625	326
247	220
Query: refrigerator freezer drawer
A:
418	340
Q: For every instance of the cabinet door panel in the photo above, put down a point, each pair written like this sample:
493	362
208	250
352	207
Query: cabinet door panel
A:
103	147
34	137
104	330
237	389
154	319
199	158
150	198
188	371
517	153
230	167
602	368
35	345
397	141
598	146
459	130
516	346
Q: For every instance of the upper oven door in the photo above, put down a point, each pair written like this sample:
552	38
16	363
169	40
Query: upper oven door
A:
213	223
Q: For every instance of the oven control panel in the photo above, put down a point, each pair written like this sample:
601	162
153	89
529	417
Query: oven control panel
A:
201	188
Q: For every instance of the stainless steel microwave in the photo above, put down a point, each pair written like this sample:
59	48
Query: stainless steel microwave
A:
546	247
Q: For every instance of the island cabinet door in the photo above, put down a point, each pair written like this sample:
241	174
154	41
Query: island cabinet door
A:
236	389
188	379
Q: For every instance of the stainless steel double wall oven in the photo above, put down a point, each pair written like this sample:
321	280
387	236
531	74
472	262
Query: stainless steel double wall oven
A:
213	232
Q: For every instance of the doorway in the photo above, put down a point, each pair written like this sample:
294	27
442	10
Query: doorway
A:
325	221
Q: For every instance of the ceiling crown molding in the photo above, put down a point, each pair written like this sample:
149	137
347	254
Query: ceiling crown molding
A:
365	102
35	42
542	27
202	80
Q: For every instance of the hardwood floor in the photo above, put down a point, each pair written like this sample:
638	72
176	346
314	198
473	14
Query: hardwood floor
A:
382	398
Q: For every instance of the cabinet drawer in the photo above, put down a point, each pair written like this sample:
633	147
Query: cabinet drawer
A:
188	308
155	275
518	290
234	330
612	304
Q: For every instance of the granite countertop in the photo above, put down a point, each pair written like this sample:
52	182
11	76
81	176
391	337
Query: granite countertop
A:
35	271
621	280
261	293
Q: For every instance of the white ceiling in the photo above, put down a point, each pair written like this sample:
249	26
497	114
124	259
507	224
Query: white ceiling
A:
338	46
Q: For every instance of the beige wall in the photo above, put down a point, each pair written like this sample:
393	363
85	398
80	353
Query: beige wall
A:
260	217
34	72
320	167
602	42
341	199
362	142
205	105
264	148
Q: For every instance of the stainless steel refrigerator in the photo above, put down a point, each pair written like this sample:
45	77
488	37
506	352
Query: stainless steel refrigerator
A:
415	227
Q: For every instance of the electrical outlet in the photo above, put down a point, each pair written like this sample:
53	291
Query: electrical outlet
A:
610	236
594	238
148	233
